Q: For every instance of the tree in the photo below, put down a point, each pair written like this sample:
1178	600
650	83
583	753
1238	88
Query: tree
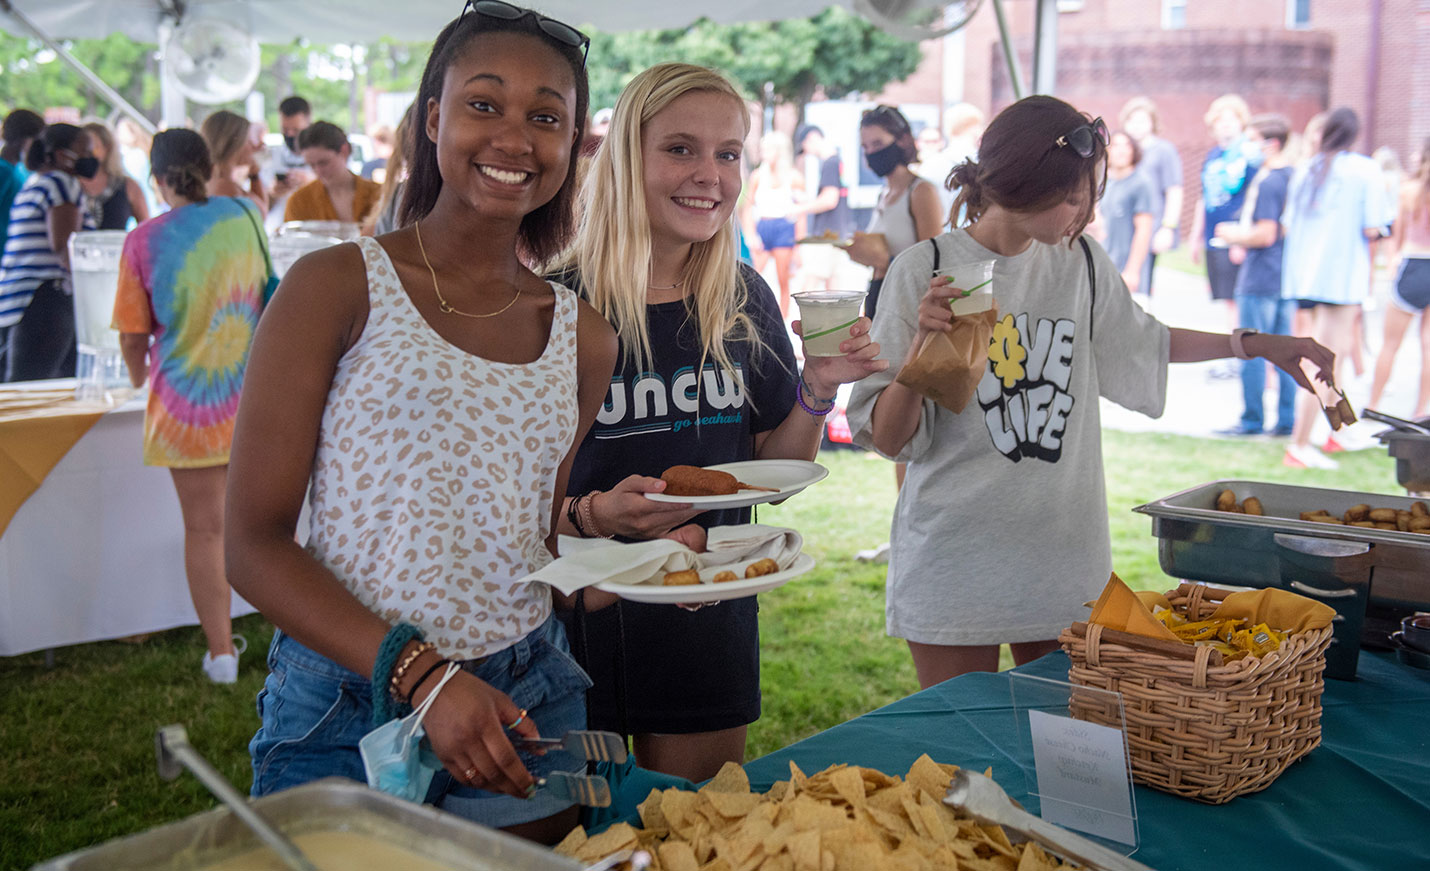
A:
835	50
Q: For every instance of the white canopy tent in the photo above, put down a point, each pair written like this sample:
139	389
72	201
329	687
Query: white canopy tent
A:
281	21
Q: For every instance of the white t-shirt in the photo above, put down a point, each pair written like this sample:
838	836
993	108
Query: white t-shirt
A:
1000	532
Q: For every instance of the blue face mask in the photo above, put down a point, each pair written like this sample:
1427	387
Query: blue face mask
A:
1252	153
396	755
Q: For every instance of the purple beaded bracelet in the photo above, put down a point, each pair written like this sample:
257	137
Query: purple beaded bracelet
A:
799	397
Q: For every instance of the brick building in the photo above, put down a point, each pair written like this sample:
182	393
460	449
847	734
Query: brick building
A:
1296	57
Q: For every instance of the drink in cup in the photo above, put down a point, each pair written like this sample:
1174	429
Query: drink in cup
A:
975	279
825	318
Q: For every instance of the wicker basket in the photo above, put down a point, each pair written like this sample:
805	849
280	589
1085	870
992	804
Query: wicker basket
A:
1200	731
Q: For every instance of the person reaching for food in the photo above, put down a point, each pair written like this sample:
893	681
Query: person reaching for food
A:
1000	533
706	376
373	381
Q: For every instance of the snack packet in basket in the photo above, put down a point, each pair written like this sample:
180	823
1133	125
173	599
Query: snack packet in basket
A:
950	365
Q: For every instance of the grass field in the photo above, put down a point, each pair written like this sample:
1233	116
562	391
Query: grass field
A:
76	741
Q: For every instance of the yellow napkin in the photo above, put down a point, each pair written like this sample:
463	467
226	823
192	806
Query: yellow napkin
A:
37	429
1279	609
1120	608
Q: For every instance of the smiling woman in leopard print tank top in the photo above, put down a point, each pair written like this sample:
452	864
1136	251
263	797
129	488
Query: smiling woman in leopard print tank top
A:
427	389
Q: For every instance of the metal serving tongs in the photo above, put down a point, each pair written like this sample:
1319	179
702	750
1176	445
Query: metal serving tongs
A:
583	743
175	753
623	860
1396	422
986	802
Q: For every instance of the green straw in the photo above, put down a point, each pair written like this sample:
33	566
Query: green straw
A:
843	326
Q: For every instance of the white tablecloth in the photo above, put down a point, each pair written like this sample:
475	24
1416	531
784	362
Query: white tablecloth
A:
98	551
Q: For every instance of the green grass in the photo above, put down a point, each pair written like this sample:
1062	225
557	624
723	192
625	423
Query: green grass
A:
76	741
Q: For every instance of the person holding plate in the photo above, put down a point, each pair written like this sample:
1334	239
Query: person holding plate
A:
706	375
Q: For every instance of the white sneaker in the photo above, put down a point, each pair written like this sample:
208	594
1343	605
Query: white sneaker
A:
879	554
1308	458
224	669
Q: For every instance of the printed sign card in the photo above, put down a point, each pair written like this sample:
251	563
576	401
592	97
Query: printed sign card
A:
1082	776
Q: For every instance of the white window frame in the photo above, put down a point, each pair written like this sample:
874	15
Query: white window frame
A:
1167	8
1291	22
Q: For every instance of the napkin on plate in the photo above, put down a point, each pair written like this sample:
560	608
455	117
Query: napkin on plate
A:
588	561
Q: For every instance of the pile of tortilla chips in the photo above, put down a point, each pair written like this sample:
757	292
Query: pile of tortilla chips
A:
844	818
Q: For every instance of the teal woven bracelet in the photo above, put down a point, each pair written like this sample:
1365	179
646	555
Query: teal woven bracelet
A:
383	707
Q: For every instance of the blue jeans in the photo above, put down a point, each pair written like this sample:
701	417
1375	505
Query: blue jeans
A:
314	712
1266	314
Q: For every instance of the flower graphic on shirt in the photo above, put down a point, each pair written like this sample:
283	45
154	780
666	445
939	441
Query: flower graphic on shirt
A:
1007	353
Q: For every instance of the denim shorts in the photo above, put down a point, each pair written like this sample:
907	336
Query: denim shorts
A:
313	713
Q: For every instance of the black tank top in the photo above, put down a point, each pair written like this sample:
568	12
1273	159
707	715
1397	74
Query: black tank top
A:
111	210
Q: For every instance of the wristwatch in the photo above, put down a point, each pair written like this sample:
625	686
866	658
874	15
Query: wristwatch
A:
1239	335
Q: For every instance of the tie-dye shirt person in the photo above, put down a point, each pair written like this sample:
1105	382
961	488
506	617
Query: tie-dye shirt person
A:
196	278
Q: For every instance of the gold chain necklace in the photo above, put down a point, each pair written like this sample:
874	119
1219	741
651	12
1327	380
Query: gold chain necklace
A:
442	303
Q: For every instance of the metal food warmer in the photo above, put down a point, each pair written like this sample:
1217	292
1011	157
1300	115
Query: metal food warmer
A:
333	804
1372	577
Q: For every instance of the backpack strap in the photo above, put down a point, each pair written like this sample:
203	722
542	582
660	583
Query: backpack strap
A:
935	254
1092	284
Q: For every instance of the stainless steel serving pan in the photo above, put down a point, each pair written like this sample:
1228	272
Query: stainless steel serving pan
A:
1244	549
331	804
1411	452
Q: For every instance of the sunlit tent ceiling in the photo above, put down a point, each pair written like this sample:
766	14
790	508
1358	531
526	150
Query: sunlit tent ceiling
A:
362	20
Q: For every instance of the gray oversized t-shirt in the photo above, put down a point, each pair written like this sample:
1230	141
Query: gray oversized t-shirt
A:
1000	532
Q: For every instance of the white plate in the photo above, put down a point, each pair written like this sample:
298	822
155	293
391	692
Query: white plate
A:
707	592
790	476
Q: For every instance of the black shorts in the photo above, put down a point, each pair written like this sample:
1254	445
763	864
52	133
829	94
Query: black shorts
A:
677	671
42	344
1412	285
1221	273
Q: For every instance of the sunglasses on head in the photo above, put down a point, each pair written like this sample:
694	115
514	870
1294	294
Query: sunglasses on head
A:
557	30
1083	140
888	113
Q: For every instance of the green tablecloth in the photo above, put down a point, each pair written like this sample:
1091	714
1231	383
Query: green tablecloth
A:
1359	801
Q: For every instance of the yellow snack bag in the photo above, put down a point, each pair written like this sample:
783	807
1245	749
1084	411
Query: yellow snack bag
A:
1202	630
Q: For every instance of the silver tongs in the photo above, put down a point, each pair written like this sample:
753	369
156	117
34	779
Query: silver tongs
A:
1396	422
986	802
585	744
175	753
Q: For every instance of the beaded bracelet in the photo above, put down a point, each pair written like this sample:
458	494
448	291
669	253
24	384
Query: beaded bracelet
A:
573	514
812	395
588	515
401	671
387	653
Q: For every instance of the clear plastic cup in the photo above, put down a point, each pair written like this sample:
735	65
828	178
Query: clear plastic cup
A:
975	279
825	317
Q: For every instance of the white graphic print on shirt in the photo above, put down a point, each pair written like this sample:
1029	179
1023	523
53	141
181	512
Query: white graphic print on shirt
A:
650	405
1024	392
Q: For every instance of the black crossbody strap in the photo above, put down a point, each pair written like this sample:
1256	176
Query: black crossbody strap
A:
935	254
1092	284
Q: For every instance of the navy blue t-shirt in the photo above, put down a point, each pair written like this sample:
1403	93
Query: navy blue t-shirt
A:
1225	173
1260	273
658	668
650	420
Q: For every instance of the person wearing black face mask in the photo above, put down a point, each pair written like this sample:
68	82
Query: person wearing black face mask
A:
290	172
909	209
908	212
36	306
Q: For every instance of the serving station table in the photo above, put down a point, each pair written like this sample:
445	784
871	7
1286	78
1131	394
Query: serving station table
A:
97	550
1360	801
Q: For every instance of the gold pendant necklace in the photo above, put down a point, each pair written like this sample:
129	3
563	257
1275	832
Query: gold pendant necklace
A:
442	303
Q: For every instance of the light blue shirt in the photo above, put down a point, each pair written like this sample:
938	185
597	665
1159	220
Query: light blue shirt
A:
1327	256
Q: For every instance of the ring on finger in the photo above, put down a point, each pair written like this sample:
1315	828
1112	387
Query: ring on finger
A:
520	718
470	774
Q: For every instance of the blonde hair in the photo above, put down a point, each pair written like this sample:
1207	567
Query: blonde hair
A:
225	132
783	161
395	170
612	253
1232	103
1141	104
113	160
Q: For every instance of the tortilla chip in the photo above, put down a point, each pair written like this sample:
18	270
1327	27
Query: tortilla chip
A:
572	842
618	837
848	783
926	775
731	778
733	804
652	817
676	856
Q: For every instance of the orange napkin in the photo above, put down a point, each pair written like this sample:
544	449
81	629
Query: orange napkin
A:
1279	609
37	429
1120	608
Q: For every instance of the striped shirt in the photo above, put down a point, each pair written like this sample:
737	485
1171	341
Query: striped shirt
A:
29	261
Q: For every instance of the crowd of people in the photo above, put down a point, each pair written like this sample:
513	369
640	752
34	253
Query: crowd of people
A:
505	357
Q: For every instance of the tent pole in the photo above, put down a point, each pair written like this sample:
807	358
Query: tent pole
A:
1015	75
1045	48
85	72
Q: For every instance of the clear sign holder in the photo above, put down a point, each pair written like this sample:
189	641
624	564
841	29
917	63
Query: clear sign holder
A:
1074	735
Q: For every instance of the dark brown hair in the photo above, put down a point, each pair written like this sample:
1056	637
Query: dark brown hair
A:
322	134
1136	149
1339	134
180	158
54	138
893	122
1272	125
546	230
1021	168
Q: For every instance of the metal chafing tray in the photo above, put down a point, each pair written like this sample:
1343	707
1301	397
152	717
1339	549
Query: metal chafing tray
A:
1411	452
1370	576
331	804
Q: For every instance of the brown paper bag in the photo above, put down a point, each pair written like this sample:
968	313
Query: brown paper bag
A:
950	365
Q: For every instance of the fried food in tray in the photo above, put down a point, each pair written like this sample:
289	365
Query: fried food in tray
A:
1417	519
695	481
